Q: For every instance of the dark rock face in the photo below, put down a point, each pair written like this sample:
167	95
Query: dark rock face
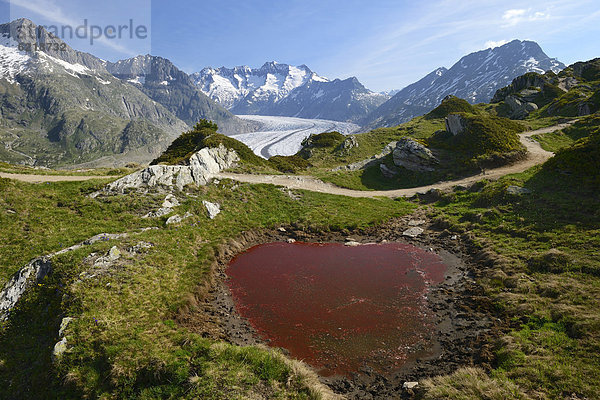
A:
166	84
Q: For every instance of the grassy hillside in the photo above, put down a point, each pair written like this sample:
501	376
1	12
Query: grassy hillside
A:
129	339
487	141
573	92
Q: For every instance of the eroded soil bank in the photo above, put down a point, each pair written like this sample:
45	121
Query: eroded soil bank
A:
462	317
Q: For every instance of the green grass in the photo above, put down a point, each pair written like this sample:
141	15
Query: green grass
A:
547	279
109	172
125	341
566	137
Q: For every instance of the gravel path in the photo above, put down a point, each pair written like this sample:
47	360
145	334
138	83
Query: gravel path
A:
536	155
50	178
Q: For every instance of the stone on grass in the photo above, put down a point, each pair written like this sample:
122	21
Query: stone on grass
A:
170	201
414	156
59	349
410	385
413	232
517	190
213	209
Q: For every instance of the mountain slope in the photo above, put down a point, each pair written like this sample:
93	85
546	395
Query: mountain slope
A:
164	83
63	108
285	90
475	77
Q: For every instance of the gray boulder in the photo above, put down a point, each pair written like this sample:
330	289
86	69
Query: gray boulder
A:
33	273
455	124
213	209
413	232
414	156
202	166
387	172
348	144
519	108
517	190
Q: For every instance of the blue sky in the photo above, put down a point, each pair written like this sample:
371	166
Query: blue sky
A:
387	44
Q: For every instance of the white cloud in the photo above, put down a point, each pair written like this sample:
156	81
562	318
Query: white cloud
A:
491	43
49	10
515	16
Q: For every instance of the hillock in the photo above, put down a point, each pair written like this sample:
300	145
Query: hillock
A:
450	105
483	136
204	134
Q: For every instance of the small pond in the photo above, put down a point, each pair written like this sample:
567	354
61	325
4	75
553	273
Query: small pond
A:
339	308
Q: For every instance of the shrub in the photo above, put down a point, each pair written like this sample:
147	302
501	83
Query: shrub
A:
450	105
289	164
325	139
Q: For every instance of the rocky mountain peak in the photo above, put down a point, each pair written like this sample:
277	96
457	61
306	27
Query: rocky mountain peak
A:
475	78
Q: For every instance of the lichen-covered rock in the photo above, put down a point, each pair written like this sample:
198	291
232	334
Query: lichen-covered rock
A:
33	273
175	219
413	232
213	209
414	156
202	166
170	201
519	108
517	190
455	124
63	326
59	349
348	144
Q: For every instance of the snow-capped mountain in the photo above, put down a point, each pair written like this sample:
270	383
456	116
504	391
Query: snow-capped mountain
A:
475	77
63	107
338	100
286	90
166	84
244	87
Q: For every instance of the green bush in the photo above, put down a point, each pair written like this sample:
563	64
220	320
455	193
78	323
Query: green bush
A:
451	105
289	164
325	139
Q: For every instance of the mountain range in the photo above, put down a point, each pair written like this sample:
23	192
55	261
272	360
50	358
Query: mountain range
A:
475	78
286	90
60	106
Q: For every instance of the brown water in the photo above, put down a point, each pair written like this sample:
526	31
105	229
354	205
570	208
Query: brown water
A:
338	308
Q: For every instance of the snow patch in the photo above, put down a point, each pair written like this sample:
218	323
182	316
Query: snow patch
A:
12	61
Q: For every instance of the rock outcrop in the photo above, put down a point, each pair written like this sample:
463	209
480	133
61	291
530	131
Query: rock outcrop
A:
213	209
414	156
37	269
32	274
202	166
455	124
519	108
348	144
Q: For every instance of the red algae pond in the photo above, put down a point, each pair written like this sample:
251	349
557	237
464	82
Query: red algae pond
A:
336	307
